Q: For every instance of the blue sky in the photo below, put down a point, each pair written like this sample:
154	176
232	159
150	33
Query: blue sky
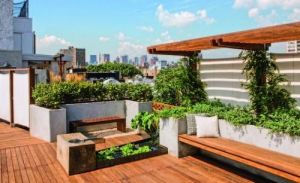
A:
128	26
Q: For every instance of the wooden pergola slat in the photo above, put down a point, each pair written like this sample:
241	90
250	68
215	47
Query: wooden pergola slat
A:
250	39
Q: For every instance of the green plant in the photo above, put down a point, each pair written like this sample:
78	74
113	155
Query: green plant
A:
54	94
176	112
127	70
107	154
263	78
180	85
129	150
146	121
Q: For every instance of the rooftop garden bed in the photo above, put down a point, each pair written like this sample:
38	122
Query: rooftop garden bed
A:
128	153
53	95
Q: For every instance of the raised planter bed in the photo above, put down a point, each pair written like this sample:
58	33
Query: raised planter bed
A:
120	159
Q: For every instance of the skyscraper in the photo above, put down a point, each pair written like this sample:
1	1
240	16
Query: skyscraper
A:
136	60
124	59
93	59
143	62
106	58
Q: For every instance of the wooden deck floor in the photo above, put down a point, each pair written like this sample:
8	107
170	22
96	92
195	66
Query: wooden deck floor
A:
26	159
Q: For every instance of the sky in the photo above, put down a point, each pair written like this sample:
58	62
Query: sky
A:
127	27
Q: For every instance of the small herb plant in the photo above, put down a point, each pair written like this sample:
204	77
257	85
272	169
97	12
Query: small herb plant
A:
123	151
148	122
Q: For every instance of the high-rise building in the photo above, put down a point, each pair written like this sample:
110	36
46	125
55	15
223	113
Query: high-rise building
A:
77	54
124	59
106	58
143	61
293	47
136	61
93	59
117	59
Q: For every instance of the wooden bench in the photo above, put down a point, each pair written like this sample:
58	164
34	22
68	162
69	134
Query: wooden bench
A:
274	163
121	122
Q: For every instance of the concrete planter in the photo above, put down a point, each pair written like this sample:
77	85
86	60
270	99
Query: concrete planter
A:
46	124
169	129
133	108
261	137
93	110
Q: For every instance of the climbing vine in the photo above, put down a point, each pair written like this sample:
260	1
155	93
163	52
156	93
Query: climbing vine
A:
263	83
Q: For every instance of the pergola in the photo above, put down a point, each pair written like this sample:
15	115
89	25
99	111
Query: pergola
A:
255	39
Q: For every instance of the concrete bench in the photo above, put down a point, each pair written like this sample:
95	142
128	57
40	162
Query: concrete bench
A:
284	168
121	122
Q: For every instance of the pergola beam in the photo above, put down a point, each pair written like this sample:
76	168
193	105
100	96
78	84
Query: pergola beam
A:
251	39
235	45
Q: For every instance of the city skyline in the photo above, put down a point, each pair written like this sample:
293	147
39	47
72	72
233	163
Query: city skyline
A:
83	25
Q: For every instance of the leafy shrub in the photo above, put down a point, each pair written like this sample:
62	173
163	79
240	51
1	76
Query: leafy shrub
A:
279	121
54	94
127	70
148	122
177	112
107	154
179	86
263	78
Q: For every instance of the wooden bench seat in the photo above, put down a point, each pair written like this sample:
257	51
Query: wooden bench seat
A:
272	162
121	122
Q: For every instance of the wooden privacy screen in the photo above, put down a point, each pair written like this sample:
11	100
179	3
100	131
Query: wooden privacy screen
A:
15	90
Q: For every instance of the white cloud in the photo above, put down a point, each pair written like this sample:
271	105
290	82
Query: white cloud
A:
121	36
50	44
243	3
103	39
264	11
131	49
146	28
182	18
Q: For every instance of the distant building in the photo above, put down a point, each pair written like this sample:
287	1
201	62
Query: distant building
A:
106	58
118	59
143	61
293	47
93	59
77	54
124	59
136	61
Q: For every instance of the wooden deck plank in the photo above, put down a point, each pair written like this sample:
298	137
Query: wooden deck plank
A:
5	177
33	160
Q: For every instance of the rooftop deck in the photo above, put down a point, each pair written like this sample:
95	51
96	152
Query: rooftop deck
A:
27	159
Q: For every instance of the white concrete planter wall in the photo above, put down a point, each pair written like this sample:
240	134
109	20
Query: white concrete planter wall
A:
169	129
133	108
261	137
93	110
46	124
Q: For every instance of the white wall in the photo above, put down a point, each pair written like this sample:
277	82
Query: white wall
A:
224	76
6	25
23	35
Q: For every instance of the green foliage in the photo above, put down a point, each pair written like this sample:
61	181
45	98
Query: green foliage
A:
107	154
176	112
54	94
148	122
127	70
180	85
279	121
130	149
263	78
126	150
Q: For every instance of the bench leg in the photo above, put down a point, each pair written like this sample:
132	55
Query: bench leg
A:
121	126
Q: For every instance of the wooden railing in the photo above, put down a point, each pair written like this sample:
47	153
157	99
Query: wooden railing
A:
157	106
